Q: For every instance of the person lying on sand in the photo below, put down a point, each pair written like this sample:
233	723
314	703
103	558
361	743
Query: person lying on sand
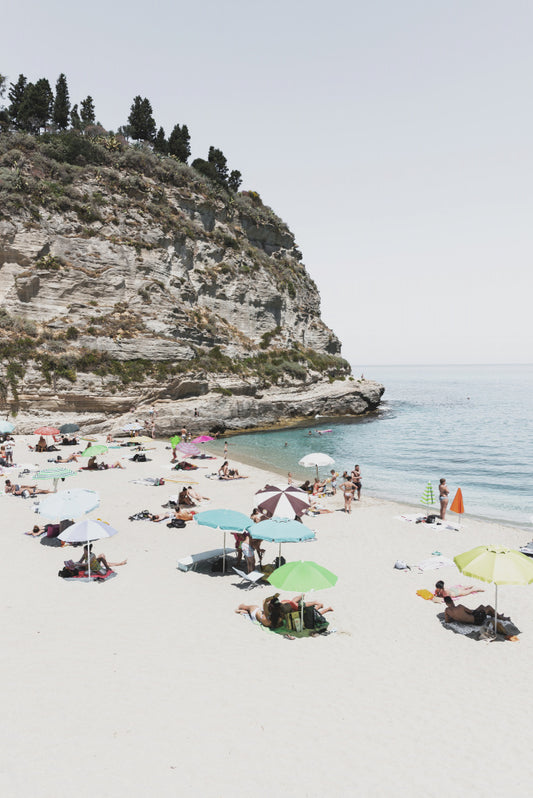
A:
18	490
461	614
193	494
455	591
72	457
225	472
269	615
92	465
290	605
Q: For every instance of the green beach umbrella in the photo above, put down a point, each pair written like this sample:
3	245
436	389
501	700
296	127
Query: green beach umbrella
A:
301	577
496	564
427	497
56	474
92	451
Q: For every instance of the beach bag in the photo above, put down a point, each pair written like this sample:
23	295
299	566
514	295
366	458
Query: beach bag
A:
401	565
293	621
313	619
177	523
431	519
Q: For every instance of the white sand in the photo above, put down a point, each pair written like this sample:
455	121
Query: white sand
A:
149	684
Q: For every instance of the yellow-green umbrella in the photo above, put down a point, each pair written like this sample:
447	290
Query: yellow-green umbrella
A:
496	564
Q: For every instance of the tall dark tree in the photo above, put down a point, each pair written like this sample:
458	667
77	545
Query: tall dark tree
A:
205	168
35	108
141	120
220	162
15	95
234	180
75	119
61	103
179	143
160	142
87	114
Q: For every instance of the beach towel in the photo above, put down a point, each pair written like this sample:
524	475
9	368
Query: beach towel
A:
425	594
94	577
505	629
432	563
419	518
149	481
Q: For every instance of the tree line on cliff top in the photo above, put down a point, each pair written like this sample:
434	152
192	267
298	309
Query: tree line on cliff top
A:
34	107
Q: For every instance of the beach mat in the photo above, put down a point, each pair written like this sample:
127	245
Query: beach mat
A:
505	630
81	576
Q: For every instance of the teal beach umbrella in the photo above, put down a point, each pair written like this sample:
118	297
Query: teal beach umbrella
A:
56	474
226	520
280	530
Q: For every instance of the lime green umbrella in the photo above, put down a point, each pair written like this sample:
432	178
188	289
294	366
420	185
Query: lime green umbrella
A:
302	576
427	497
92	451
496	564
175	440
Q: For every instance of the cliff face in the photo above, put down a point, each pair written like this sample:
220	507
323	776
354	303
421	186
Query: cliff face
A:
135	280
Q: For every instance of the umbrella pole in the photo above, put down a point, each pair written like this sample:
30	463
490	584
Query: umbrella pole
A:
88	560
224	555
279	556
302	605
495	610
55	485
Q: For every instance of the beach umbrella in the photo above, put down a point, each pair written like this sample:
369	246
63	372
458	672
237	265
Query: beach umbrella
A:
286	502
96	449
202	439
6	427
457	505
46	431
65	429
226	520
301	576
280	530
316	459
427	497
57	473
132	426
175	440
68	504
498	565
188	449
84	532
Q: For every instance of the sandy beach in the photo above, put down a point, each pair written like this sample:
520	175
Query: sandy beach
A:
151	684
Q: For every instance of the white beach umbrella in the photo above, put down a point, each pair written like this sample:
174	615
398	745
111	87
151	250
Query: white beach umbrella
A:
85	531
68	504
316	459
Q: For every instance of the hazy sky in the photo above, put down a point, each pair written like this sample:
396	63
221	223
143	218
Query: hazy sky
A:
394	138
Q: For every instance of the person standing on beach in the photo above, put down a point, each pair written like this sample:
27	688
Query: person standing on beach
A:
356	479
225	450
443	496
348	488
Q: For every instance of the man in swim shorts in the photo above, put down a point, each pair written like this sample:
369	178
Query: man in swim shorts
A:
461	614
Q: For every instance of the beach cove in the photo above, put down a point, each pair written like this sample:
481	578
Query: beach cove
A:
151	682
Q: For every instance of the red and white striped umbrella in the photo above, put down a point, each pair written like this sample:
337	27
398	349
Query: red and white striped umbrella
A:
46	431
188	448
284	502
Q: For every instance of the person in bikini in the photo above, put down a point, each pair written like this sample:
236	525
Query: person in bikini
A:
443	497
356	479
455	591
269	615
348	488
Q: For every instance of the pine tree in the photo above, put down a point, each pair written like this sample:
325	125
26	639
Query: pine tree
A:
160	142
179	143
220	162
75	119
142	123
15	95
87	111
235	180
36	105
61	103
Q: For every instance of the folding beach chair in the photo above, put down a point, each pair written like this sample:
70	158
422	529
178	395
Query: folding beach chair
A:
252	578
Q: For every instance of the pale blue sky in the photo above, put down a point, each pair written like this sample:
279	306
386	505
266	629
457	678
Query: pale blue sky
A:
395	140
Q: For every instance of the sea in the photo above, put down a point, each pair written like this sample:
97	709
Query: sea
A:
472	424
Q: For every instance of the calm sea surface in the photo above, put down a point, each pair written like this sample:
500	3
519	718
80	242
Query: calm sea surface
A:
470	424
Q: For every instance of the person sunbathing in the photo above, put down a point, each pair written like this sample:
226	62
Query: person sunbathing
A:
184	500
461	614
92	465
18	490
289	605
225	472
71	458
193	494
455	591
269	615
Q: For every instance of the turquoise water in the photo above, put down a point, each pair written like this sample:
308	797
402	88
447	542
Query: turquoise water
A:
470	424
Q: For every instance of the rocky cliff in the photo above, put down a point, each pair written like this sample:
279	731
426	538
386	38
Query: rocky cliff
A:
128	279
